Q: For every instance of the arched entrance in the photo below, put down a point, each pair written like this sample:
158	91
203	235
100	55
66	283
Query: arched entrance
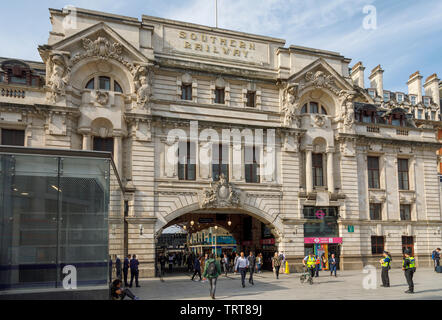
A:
219	231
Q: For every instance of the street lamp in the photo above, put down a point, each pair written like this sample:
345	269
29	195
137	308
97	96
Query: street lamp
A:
192	223
229	223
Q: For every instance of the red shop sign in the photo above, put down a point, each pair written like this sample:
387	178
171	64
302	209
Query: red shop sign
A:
323	240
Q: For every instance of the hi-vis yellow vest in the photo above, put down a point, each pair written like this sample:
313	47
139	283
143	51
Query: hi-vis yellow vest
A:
311	261
385	263
411	265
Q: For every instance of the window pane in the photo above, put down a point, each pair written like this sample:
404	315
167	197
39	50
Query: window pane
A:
13	137
186	92
251	99
219	95
314	108
104	144
117	87
91	84
104	83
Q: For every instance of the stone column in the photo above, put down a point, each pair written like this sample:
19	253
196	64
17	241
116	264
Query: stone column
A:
308	169
330	171
87	139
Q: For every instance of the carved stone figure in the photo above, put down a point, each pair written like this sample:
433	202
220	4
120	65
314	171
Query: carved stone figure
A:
102	97
220	194
289	106
59	77
143	92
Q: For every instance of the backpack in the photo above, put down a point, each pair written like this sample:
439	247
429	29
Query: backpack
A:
433	255
211	269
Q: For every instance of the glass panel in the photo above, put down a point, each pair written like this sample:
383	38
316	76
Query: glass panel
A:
117	87
314	108
13	137
319	226
91	84
104	83
29	222
83	236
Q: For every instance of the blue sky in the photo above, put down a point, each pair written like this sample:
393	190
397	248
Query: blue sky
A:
408	34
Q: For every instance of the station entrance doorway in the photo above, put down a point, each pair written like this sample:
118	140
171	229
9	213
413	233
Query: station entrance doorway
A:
199	233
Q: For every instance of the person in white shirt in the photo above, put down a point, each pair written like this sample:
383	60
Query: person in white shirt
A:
241	265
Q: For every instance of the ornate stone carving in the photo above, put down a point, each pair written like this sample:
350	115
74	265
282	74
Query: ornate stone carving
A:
319	120
347	111
143	85
320	80
221	194
290	106
59	74
101	97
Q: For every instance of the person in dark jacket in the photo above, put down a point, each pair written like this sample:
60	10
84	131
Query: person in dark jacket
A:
252	264
126	264
196	267
333	264
119	294
118	267
409	267
436	258
134	271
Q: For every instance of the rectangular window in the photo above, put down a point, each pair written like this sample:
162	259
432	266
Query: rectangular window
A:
13	137
375	211
373	172
386	96
186	161
372	93
219	95
377	244
251	164
427	101
104	144
186	92
419	114
220	161
104	83
318	172
403	174
405	210
251	99
314	107
399	97
413	100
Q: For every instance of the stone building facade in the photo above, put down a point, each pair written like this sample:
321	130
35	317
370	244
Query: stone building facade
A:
366	156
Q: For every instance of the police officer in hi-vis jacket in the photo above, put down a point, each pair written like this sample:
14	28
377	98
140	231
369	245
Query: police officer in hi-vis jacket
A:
409	267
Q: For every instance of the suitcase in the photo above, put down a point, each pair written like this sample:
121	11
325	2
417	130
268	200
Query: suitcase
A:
439	269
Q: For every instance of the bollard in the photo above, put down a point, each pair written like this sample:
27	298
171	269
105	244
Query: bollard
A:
287	271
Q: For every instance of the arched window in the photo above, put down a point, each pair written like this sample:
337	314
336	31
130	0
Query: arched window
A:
104	83
91	84
313	107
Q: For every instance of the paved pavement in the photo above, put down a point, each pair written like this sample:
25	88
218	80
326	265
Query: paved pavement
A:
347	286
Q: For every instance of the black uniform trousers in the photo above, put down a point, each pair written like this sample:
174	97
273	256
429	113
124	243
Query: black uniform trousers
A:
125	272
409	276
385	277
133	274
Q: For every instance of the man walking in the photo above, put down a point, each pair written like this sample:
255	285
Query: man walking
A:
118	267
226	264
134	271
241	265
333	263
212	270
196	267
409	267
126	264
234	261
385	263
436	258
252	262
162	261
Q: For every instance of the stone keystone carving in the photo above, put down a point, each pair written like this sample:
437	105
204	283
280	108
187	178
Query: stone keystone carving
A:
220	194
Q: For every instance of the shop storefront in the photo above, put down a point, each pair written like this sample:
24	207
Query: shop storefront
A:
321	233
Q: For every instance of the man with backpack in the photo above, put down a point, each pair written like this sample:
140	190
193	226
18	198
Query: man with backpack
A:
212	270
436	258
